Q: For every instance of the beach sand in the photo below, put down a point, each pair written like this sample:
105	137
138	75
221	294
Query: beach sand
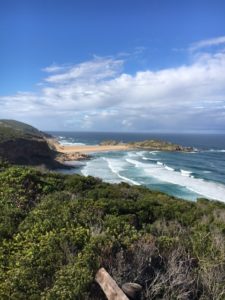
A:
89	149
86	148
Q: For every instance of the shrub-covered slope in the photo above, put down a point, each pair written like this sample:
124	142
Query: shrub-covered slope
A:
57	230
150	145
11	129
23	144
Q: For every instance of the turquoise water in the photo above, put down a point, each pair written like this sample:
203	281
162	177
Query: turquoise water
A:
186	175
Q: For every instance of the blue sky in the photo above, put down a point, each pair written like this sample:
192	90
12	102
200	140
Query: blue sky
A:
113	65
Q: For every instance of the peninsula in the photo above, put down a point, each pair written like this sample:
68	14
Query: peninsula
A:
111	145
23	144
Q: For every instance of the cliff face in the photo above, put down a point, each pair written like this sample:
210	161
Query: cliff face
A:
23	144
28	152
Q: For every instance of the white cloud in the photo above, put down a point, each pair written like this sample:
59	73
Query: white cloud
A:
97	69
208	43
55	68
98	95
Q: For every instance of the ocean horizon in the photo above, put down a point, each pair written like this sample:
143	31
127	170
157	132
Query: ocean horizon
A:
198	174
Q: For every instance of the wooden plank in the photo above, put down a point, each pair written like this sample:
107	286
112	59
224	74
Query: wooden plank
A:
109	286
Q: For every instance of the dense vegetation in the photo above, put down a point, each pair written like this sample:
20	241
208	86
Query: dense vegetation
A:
11	129
57	230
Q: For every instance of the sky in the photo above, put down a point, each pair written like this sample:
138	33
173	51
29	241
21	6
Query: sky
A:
121	65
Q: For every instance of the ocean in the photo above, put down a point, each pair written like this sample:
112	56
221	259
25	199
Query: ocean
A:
193	175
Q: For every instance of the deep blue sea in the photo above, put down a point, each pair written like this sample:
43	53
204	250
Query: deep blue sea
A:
200	173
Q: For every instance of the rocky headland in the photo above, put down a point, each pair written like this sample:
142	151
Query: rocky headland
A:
22	144
152	145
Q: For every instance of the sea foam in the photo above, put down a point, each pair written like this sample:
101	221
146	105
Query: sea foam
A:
185	173
66	143
98	168
169	168
216	150
115	166
202	187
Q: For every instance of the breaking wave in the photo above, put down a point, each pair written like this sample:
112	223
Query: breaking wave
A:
115	167
185	173
216	150
66	143
202	187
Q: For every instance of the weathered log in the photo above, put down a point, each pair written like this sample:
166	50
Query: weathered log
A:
109	286
132	290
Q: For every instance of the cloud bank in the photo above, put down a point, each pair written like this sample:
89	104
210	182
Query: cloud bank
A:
99	95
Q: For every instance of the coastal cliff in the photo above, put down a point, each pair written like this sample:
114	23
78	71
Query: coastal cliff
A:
23	151
23	144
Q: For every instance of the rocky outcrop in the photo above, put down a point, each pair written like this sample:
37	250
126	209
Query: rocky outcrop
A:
63	157
155	145
160	146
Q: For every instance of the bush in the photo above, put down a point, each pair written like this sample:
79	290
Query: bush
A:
57	230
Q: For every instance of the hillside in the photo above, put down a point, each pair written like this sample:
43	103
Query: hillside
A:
11	129
155	145
23	144
159	145
57	230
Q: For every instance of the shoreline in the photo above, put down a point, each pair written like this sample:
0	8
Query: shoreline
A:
90	148
69	149
66	153
82	152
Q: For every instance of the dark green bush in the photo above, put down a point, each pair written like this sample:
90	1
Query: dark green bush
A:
57	230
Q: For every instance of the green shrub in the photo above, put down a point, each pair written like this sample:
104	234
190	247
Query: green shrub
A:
57	230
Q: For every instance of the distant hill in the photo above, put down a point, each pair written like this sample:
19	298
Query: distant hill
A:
11	129
23	144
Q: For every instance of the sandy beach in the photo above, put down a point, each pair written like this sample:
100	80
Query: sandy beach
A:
89	149
86	148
